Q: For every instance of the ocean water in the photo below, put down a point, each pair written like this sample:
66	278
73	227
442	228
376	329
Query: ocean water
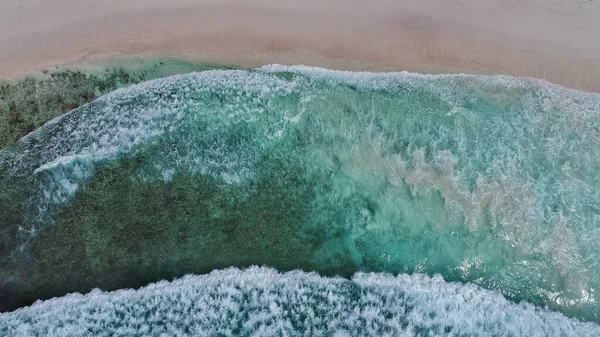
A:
489	182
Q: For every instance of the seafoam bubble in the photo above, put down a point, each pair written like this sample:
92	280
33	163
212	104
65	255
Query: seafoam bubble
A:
261	301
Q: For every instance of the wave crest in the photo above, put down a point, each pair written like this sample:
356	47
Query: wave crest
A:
261	301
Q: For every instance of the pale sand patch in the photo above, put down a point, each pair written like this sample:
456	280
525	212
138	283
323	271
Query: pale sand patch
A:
555	40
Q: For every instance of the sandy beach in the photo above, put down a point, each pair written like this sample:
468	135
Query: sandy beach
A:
553	40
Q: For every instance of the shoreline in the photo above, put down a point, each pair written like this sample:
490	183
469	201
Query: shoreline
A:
541	39
570	80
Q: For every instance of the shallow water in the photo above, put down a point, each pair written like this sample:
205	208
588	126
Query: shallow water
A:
28	103
484	180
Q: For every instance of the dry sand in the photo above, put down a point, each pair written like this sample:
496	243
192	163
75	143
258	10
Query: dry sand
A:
555	40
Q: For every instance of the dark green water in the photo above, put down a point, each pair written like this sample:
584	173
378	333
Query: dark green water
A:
484	180
28	103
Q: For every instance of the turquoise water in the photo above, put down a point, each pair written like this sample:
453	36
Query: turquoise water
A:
488	181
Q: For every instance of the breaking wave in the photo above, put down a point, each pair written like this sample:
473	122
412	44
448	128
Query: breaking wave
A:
262	302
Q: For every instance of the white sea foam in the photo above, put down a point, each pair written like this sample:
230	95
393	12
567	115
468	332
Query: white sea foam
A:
383	79
260	301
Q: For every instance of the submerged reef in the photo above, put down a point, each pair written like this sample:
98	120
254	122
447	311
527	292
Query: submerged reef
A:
28	103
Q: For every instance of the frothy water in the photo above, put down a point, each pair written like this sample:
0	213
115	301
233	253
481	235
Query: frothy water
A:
263	302
484	180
